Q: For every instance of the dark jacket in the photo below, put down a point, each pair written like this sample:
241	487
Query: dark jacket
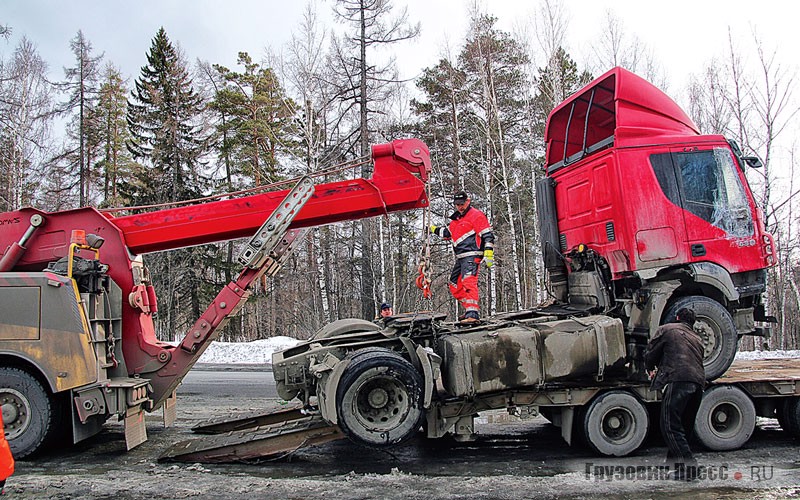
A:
677	351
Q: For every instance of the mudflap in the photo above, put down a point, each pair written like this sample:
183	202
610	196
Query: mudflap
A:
135	429
170	409
265	441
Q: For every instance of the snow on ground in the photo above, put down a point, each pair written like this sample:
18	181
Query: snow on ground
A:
767	354
256	352
260	352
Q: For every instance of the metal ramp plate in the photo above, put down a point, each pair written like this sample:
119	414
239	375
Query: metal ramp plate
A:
266	441
292	411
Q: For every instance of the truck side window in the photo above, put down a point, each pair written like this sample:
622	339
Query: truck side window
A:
709	187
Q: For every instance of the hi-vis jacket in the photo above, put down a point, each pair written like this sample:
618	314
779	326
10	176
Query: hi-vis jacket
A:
470	232
6	459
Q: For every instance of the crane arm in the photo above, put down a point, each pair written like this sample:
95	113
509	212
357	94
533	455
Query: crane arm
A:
398	183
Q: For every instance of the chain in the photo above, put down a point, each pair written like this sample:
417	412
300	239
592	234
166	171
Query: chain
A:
111	346
425	278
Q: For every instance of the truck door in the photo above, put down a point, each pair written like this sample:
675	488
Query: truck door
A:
717	211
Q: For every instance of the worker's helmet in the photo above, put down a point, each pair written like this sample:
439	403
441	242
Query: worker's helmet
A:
385	306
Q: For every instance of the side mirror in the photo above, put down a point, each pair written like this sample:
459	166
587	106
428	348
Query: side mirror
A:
753	162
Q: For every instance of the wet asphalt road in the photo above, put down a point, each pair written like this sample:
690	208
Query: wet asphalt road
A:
511	459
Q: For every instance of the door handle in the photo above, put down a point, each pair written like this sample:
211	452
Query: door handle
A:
698	250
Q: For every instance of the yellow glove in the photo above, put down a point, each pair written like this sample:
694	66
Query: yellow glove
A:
433	229
488	257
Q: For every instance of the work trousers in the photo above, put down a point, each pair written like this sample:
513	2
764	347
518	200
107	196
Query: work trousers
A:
678	410
464	283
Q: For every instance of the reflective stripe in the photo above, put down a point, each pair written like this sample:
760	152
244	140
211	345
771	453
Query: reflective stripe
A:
476	308
469	254
487	230
464	237
488	245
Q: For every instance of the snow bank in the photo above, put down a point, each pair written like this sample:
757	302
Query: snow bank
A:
256	352
767	354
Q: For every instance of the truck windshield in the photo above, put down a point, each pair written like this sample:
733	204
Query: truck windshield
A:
710	188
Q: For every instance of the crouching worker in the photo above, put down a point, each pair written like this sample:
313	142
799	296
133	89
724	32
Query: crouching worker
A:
677	351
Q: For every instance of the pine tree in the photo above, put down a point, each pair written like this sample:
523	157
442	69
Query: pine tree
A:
366	84
258	118
163	117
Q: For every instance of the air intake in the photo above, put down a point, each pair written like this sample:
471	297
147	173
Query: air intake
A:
610	234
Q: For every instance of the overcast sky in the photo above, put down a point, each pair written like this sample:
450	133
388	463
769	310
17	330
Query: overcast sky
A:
682	34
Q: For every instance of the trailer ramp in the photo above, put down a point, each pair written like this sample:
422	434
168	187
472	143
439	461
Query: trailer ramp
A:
267	435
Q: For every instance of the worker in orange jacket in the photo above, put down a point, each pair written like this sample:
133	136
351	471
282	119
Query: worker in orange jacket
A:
6	459
473	242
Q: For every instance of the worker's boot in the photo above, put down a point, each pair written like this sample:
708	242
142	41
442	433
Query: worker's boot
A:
470	317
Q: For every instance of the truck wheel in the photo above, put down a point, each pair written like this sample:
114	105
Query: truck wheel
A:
726	418
379	398
789	416
343	326
615	423
29	411
716	328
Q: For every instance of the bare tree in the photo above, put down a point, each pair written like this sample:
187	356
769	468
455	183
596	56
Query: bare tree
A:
304	70
708	106
26	115
616	47
364	83
82	87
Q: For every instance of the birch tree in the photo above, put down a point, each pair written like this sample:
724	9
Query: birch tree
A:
26	116
495	60
304	71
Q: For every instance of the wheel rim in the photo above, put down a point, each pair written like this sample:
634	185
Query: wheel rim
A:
725	420
16	412
711	335
381	403
618	425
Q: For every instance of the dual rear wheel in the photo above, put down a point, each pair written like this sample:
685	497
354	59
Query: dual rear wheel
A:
616	422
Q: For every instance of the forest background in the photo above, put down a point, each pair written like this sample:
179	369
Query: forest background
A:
179	129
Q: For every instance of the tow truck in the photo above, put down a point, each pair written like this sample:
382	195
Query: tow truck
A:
77	337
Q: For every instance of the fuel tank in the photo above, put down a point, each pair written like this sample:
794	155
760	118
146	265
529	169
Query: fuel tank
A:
521	356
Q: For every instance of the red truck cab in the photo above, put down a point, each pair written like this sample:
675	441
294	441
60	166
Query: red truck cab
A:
640	211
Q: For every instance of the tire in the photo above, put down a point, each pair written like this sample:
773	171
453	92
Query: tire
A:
789	416
726	418
615	423
715	326
30	413
379	398
343	326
